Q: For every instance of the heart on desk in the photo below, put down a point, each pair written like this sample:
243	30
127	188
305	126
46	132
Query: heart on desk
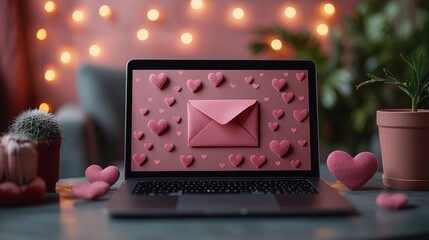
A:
395	201
90	191
108	175
352	172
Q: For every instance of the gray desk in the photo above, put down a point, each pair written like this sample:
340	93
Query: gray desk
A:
66	218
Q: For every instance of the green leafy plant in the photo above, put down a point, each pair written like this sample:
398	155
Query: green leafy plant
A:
415	87
36	125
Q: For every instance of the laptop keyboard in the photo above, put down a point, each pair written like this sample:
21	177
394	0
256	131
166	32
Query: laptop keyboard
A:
177	188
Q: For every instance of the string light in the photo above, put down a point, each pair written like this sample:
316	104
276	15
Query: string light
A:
322	29
94	50
329	8
290	12
65	57
44	107
153	15
105	11
49	6
276	44
78	15
238	13
142	34
186	38
50	75
197	4
41	34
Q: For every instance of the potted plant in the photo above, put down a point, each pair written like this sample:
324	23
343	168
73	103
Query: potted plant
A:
44	129
404	133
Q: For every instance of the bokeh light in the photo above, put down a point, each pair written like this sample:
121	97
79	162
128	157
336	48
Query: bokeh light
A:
78	15
153	15
197	4
186	38
142	34
41	34
94	50
290	12
322	29
65	57
44	107
276	44
329	8
105	11
238	13
50	75
49	6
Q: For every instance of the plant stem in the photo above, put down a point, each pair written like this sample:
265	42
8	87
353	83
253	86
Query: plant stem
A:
413	105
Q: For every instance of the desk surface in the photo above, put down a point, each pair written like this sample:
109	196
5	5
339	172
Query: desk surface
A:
62	217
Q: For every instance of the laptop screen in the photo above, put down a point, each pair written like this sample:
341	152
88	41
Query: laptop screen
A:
221	116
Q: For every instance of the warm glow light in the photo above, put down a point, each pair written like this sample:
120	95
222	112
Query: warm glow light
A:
186	38
44	107
197	4
290	12
276	44
78	15
49	6
238	13
329	8
50	75
65	57
142	34
104	11
41	34
94	50
322	29
153	15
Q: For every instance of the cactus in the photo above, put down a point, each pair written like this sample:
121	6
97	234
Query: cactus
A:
36	125
18	160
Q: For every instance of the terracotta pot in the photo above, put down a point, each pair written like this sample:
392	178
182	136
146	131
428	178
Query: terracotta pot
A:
48	162
404	145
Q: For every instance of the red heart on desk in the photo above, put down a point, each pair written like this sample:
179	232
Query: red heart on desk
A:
90	191
352	172
395	201
108	175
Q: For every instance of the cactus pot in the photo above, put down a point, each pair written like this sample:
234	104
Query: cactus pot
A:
404	146
48	165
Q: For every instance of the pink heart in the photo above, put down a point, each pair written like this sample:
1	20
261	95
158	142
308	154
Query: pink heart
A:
287	97
186	160
150	99
137	79
248	80
261	74
302	143
158	80
395	201
148	146
293	130
204	156
180	73
301	98
258	161
255	86
179	133
157	162
235	159
138	135
144	111
286	74
273	126
266	99
193	85
215	78
177	119
295	163
222	165
169	101
169	147
157	127
300	116
280	148
232	85
90	191
161	110
278	84
140	159
278	113
109	175
300	76
177	88
278	163
352	172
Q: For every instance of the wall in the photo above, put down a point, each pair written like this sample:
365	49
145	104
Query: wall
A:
216	34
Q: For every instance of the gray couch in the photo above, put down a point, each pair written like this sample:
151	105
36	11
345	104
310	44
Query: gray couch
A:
93	129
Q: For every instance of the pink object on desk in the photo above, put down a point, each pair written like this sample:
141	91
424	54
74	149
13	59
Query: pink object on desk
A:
108	175
90	191
394	201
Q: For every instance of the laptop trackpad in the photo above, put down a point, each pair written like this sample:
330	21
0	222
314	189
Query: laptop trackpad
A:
226	202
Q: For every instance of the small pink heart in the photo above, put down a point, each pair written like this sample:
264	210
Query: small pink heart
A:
169	147
352	172
302	143
177	88
215	78
287	97
300	76
278	84
161	110
169	101
157	162
222	165
157	127
158	80
148	146
266	99
278	113
90	191
204	156
273	126
278	163
280	148
150	99
138	79
295	163
140	159
395	201
144	111
261	74
180	73
179	133
109	175
248	80
193	85
138	135
255	86
177	119
286	74
258	161
293	130
186	160
300	116
235	159
301	98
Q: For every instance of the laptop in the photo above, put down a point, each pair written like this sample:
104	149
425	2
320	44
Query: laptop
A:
222	138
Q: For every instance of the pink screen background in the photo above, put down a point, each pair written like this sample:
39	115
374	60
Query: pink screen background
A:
147	148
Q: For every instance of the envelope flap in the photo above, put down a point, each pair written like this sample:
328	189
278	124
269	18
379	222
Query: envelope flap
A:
222	111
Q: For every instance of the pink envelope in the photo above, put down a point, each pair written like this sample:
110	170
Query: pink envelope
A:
223	123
